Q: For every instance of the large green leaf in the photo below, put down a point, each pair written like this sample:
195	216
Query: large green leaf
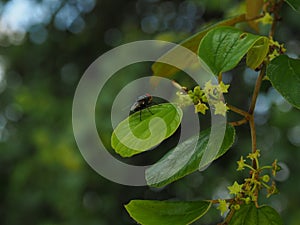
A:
284	74
192	43
224	47
250	215
295	4
149	212
138	132
174	165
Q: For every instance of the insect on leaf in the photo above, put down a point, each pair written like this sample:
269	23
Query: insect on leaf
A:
133	135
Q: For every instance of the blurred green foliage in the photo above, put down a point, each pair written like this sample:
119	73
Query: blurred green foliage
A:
43	177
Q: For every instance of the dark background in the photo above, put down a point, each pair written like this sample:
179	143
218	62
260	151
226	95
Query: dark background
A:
45	47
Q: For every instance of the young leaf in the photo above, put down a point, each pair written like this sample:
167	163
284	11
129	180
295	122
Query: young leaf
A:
138	132
150	212
170	168
257	53
192	43
295	4
224	47
284	74
250	215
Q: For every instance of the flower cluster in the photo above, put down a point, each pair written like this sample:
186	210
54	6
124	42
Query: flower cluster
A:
248	191
183	99
275	49
211	94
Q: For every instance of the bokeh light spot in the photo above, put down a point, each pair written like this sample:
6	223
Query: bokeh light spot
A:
38	34
294	135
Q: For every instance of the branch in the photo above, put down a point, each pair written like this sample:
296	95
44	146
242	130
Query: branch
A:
217	201
239	111
256	89
253	136
251	111
238	123
220	77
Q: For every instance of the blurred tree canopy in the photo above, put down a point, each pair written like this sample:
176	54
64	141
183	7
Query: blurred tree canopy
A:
45	47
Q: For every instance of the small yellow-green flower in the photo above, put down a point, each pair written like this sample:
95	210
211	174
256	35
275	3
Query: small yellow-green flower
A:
247	200
208	86
220	108
274	43
235	189
223	207
197	91
275	49
254	155
237	207
273	55
200	107
265	178
241	164
267	19
204	98
223	87
209	89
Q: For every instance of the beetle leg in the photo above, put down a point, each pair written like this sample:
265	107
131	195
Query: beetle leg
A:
150	111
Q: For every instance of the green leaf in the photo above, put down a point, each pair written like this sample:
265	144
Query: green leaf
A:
173	167
284	74
149	212
224	47
192	43
257	53
137	134
295	4
250	215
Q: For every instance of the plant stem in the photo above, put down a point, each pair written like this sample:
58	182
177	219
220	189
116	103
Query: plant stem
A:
250	167
220	77
251	111
253	136
239	122
256	89
254	18
229	216
265	167
217	201
239	111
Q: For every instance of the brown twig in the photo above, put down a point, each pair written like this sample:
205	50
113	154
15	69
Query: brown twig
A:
251	111
220	77
254	18
239	111
253	135
256	89
238	123
229	216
